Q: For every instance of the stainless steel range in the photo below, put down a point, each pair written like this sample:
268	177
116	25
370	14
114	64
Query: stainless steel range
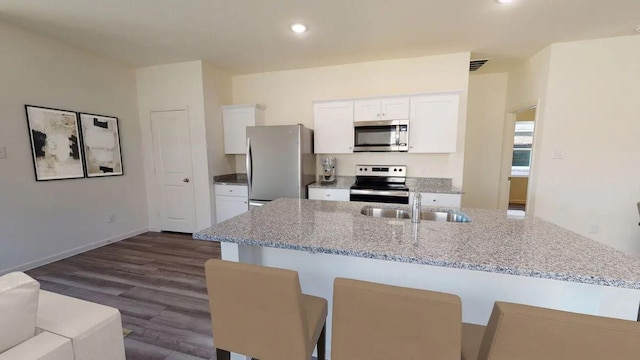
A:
380	183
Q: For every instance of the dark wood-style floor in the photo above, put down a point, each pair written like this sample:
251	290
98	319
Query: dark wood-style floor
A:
514	206
156	280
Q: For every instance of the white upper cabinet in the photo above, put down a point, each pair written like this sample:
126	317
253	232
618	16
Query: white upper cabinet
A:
433	123
235	119
392	108
333	127
396	108
367	110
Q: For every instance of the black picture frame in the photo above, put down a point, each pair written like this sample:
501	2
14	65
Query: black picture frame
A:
51	132
102	150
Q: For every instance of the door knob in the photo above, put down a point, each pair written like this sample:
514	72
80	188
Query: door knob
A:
509	178
185	180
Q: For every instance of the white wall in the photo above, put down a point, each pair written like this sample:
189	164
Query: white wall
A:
592	114
527	87
288	96
172	87
45	221
217	92
483	148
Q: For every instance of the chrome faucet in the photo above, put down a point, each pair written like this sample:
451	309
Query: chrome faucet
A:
416	208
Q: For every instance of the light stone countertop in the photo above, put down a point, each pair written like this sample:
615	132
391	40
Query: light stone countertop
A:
231	179
492	242
342	182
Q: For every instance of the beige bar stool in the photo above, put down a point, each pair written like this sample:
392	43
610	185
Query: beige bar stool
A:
521	332
374	321
261	312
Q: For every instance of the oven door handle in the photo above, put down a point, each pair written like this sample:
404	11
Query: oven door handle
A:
380	192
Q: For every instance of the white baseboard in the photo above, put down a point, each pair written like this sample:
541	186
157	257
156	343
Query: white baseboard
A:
72	252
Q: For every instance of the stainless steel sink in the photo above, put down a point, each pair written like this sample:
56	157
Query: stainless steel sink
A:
385	213
444	216
424	215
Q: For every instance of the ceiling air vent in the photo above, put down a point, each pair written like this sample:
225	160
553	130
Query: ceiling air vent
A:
477	64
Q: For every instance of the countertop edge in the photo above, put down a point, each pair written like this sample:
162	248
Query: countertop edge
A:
583	279
318	185
230	183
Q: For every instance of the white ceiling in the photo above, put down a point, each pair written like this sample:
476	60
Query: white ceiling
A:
247	36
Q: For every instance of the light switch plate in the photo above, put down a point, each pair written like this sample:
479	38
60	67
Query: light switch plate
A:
3	152
558	154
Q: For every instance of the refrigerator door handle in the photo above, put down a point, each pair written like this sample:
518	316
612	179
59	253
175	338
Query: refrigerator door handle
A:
249	166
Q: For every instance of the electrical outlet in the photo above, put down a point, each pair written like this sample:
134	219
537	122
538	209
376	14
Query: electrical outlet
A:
593	229
111	219
3	152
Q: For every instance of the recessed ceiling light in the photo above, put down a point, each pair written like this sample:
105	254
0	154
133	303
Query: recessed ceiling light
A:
504	1
298	28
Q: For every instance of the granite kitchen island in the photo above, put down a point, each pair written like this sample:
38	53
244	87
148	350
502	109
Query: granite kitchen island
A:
493	257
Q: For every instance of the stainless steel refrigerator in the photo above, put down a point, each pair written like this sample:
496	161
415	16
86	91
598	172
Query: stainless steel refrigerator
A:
280	162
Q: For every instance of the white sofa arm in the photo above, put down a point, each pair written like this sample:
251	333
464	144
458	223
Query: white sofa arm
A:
95	330
18	309
44	346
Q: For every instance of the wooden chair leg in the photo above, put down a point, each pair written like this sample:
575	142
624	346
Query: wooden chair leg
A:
222	354
322	343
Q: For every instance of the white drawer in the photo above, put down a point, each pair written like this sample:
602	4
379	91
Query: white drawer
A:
437	199
232	190
329	194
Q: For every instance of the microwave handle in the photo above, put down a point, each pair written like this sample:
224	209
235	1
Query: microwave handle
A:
403	140
397	135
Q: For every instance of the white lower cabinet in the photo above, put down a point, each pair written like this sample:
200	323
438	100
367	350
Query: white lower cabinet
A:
329	194
231	201
439	199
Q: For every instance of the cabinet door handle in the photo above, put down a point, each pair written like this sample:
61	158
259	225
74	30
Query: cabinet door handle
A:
186	180
383	114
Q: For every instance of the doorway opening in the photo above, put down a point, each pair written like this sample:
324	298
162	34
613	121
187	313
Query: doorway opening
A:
517	161
521	161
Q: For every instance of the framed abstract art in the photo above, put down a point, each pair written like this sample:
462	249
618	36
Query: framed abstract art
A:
55	143
101	145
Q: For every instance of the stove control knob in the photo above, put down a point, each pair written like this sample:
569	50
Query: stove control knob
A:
400	170
395	169
360	169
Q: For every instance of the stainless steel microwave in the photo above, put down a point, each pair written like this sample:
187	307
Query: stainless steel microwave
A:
391	135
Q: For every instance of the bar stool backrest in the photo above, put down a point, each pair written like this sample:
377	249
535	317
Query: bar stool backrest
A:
374	321
256	310
524	332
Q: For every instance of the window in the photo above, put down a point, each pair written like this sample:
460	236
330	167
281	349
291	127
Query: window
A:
522	145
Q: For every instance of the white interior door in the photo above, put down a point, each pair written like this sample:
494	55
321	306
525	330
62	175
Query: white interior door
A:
173	170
